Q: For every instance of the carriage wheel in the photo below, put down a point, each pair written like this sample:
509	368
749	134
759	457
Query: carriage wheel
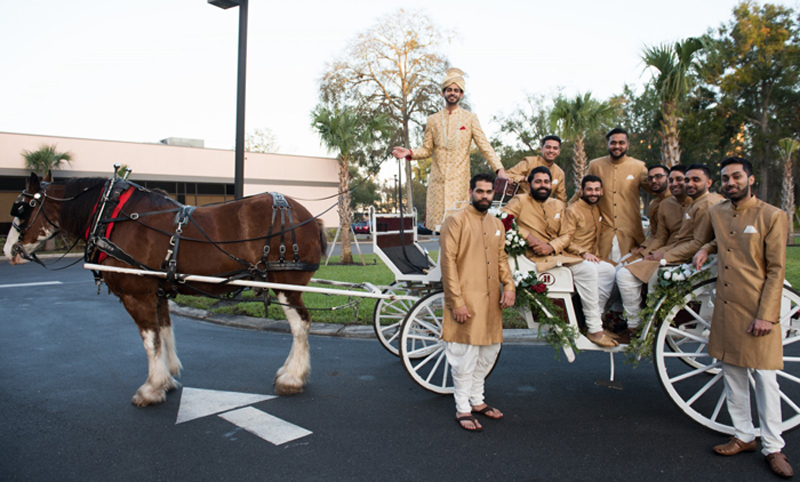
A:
422	349
693	380
388	316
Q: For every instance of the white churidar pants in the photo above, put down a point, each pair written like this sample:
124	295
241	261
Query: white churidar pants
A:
615	254
630	290
470	365
768	401
594	282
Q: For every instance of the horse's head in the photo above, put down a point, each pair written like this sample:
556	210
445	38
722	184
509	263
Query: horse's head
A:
35	221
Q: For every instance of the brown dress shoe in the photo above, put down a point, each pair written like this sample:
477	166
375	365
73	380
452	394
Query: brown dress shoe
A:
780	465
734	446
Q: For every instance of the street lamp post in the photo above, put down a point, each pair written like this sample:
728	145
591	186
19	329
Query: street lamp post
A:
238	175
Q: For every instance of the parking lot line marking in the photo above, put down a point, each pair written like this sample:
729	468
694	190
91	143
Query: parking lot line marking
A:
265	426
25	285
200	402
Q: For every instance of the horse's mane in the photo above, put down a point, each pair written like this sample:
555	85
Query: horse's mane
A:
83	193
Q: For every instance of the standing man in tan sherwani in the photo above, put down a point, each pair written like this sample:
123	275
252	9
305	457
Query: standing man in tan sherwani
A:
551	148
622	177
448	137
474	268
745	329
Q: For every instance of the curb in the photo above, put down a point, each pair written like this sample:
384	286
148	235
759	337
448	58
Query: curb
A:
511	336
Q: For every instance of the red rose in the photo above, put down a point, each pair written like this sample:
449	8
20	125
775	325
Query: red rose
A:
508	222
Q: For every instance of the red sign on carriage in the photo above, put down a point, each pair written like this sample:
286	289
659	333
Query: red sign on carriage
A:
547	278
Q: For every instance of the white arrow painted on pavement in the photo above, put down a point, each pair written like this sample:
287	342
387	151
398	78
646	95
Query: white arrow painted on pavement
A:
263	425
198	402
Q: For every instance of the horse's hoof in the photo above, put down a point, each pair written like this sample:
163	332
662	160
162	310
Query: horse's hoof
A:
285	385
145	397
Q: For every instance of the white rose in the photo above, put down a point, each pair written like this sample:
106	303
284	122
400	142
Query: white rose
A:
667	275
679	277
663	262
504	215
508	242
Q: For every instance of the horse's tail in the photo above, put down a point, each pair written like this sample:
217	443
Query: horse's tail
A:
323	237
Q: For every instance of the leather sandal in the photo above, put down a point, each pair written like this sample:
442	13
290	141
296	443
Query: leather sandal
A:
485	409
780	465
735	446
604	340
469	418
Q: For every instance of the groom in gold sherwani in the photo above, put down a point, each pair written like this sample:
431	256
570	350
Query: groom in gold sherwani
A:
448	137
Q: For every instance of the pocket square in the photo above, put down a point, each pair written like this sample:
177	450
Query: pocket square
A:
687	216
497	233
555	181
463	128
558	215
630	177
750	230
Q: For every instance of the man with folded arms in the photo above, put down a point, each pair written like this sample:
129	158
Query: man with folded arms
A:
695	231
551	148
541	220
750	242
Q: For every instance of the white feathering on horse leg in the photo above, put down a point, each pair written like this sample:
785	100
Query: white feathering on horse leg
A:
291	377
158	377
170	355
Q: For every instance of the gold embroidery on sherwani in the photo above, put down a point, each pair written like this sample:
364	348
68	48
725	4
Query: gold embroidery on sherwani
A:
448	183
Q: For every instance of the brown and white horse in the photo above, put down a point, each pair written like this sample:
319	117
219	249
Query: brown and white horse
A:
45	209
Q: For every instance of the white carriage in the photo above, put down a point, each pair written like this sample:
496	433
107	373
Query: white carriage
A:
690	377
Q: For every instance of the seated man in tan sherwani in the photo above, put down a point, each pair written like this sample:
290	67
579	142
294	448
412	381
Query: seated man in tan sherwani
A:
695	231
551	148
541	221
474	268
583	221
669	216
448	137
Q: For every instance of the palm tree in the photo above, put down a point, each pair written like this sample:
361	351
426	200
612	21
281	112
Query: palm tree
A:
787	147
573	118
45	159
673	63
355	137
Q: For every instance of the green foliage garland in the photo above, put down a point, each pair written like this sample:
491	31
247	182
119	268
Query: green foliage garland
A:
533	292
673	285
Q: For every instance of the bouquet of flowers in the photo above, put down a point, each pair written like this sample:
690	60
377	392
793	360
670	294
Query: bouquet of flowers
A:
516	245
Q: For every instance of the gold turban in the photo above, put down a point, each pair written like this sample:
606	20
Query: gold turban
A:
453	76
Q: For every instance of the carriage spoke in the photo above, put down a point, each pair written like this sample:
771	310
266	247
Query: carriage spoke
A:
791	359
676	332
682	354
787	376
789	314
428	358
435	367
718	407
697	316
444	375
704	389
426	327
788	402
694	372
394	336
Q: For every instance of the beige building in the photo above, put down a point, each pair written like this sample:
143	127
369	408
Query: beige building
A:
192	175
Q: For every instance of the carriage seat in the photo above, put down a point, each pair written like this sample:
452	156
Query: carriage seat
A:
558	279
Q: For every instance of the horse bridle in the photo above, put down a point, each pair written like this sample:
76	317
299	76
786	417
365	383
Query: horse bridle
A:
19	210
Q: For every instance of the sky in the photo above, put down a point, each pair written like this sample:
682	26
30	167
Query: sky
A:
144	70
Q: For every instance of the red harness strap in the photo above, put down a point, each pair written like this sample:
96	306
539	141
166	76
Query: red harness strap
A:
122	200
